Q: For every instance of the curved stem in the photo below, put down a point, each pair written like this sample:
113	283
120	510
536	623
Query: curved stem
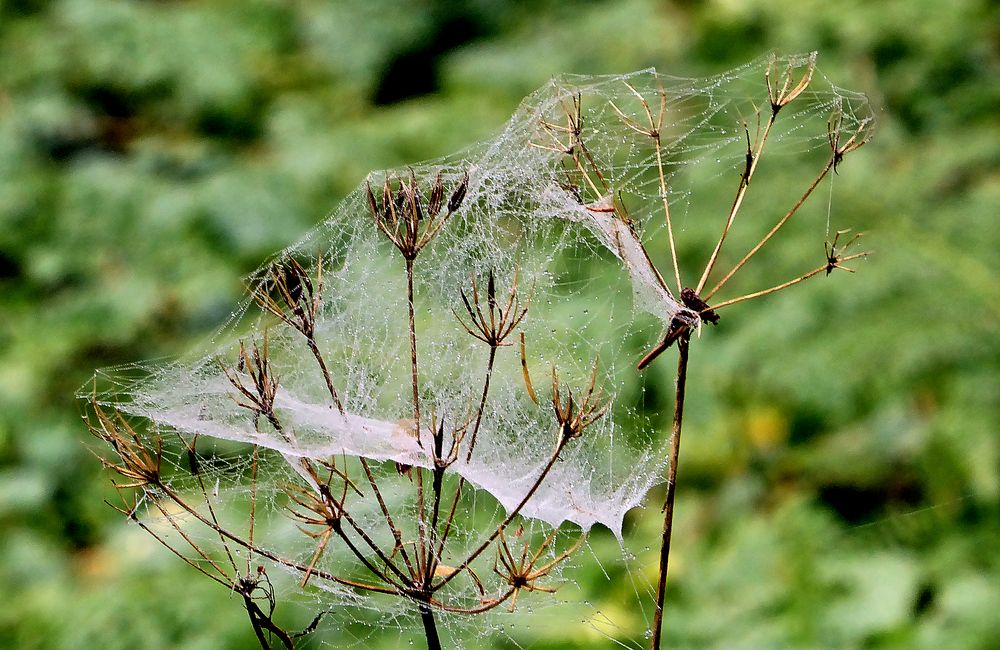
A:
413	348
668	507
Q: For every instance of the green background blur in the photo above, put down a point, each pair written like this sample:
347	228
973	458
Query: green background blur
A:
839	477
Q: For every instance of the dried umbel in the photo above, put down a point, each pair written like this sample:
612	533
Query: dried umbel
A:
377	440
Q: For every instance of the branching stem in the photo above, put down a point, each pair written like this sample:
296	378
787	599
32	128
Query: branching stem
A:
737	202
785	285
396	534
781	222
510	517
173	496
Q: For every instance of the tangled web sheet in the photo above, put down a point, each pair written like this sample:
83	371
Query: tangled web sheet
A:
567	204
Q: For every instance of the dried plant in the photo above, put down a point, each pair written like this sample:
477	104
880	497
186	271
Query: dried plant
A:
692	307
373	400
321	505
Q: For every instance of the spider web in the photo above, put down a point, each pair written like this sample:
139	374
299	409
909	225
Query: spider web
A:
530	217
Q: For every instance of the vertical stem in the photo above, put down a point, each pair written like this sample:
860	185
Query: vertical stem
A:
413	346
430	627
668	508
436	484
421	533
461	481
482	401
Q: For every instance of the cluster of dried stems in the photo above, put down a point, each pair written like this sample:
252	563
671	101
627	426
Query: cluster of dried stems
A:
588	184
413	569
321	503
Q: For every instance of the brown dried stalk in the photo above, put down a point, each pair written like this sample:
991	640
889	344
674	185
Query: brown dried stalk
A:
300	302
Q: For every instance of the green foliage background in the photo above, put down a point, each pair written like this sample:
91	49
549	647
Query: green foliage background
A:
839	477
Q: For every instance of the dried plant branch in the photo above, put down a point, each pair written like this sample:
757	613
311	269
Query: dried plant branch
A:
406	220
522	573
572	418
753	158
416	563
653	132
195	471
492	327
780	97
835	259
117	434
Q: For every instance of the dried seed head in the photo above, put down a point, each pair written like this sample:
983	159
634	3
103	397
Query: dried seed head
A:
459	194
521	570
494	324
403	216
256	395
834	130
437	196
139	463
372	203
414	198
783	95
835	256
574	417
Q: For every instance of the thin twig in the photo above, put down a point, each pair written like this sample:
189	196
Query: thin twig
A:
510	517
781	222
785	285
737	202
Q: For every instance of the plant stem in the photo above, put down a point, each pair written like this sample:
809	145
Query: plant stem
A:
421	519
413	348
668	507
311	341
430	627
